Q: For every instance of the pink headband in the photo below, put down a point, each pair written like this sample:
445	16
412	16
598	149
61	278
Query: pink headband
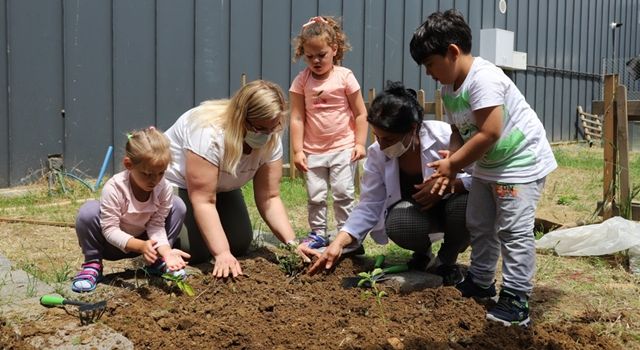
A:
312	20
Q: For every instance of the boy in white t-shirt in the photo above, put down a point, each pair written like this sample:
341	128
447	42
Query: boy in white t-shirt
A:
494	127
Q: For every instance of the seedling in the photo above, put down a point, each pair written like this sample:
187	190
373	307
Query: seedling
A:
370	279
290	262
180	283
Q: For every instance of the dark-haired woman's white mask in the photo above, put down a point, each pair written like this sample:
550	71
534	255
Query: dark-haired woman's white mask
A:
256	140
397	149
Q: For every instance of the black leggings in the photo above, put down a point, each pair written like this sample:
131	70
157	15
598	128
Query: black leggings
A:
235	221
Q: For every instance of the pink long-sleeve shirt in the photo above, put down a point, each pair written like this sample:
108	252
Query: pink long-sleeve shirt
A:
122	216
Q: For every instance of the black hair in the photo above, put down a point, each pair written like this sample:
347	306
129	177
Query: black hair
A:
440	30
396	109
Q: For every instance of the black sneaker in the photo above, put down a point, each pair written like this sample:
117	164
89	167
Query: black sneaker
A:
421	261
451	274
470	289
512	309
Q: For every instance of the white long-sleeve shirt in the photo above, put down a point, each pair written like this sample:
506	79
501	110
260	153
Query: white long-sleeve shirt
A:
380	185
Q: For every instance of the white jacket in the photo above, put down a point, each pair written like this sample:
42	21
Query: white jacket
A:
380	185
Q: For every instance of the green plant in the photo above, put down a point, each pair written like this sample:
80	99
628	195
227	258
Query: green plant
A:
180	283
566	199
290	262
626	209
370	279
32	283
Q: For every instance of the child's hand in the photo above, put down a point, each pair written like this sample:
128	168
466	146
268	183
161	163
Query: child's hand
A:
443	174
175	261
359	152
300	160
148	251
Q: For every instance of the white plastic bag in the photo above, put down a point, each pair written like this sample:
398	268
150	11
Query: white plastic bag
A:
613	235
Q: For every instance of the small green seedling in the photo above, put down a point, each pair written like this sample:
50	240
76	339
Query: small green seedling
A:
290	262
370	279
180	283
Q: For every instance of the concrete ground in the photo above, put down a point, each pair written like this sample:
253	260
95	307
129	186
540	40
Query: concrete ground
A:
20	302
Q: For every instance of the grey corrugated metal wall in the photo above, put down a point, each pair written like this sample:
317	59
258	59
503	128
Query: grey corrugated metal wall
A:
112	66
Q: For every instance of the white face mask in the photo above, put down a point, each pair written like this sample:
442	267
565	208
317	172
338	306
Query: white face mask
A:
256	140
397	149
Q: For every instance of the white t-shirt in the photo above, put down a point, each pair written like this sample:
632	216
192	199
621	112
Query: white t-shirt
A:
208	142
522	154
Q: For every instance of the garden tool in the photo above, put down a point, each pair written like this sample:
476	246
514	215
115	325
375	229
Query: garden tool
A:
378	274
88	312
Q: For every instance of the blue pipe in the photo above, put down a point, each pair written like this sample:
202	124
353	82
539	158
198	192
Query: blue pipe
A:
105	163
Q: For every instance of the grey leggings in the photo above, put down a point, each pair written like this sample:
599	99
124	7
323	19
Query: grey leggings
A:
235	221
409	228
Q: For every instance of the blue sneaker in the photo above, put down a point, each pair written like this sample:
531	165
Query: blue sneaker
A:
315	241
512	309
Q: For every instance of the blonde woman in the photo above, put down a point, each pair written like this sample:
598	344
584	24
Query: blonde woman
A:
218	147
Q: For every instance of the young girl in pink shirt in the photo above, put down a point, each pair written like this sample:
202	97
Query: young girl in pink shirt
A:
328	124
137	214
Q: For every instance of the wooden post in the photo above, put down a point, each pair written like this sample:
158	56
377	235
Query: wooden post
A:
438	101
421	99
372	95
610	82
359	164
623	146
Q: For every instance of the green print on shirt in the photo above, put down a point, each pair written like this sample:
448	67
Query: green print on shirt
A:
457	104
467	130
503	154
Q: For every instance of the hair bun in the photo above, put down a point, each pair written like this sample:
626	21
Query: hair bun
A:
396	88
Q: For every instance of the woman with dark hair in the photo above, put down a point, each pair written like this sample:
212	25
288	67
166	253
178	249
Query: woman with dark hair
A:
396	202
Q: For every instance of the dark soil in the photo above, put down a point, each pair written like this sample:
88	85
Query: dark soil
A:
267	310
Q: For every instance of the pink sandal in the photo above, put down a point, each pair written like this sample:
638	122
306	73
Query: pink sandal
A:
87	279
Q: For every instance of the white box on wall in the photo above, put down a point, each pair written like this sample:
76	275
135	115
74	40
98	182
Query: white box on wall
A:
496	45
519	60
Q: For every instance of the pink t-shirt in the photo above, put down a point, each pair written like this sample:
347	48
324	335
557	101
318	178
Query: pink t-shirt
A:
122	216
329	124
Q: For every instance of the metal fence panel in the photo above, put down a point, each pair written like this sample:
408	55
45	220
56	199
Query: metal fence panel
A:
88	122
35	81
211	73
4	109
175	47
124	64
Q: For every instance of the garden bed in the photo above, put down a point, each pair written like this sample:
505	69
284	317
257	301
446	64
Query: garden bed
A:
267	310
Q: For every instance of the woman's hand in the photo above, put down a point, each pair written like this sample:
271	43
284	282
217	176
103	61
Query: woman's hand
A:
175	259
425	197
300	160
327	259
226	264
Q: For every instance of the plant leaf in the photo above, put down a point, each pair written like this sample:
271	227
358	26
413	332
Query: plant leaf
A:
188	290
